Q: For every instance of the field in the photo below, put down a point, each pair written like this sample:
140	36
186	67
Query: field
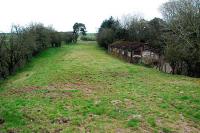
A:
80	88
88	37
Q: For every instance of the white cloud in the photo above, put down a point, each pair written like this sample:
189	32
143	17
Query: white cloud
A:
62	14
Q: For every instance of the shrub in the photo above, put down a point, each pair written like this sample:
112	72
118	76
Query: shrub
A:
105	37
4	57
56	39
18	47
67	37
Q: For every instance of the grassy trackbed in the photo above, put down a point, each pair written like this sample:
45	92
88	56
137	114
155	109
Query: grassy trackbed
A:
80	88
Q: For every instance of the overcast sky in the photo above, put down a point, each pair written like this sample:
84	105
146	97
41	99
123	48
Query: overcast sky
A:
62	14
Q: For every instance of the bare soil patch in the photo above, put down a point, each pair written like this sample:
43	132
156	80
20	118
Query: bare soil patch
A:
18	91
61	120
73	87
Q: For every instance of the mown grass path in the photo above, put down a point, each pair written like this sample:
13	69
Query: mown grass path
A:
80	88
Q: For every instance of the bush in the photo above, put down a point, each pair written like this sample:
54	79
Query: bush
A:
67	37
18	47
105	37
4	57
56	39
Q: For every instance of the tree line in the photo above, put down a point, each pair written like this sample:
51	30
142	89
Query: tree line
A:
176	37
22	43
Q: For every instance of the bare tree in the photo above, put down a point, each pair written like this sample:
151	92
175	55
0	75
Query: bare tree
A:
183	18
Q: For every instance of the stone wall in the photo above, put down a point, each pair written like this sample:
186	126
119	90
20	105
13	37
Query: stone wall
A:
125	55
146	57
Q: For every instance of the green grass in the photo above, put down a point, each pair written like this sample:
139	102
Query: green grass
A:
133	123
80	88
